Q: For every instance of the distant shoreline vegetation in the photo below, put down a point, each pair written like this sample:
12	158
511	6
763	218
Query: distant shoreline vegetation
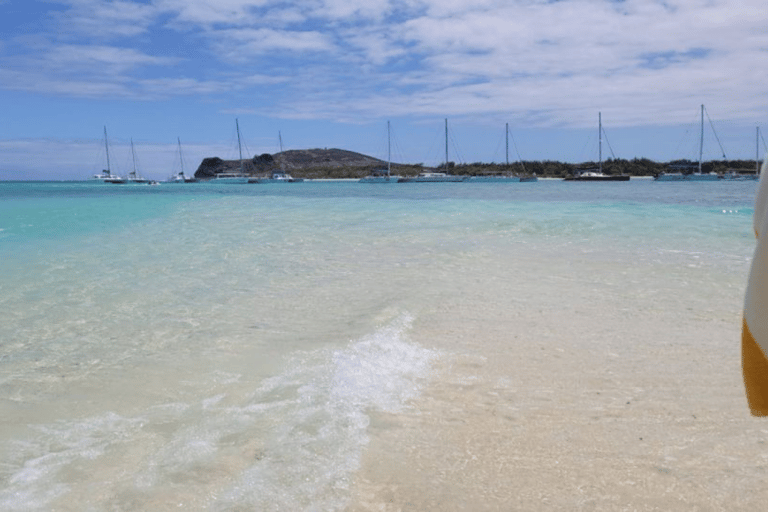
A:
340	164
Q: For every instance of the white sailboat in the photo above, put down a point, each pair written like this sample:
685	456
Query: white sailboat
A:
106	175
696	175
500	178
436	177
134	178
180	177
747	174
235	178
278	175
598	174
383	175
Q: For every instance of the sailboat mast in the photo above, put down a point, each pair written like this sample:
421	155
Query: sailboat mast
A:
600	143
506	133
389	152
280	139
106	145
446	144
239	147
757	150
701	137
181	159
133	155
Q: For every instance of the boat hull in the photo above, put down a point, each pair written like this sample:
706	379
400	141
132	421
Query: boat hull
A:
264	181
379	179
433	179
229	180
494	179
598	178
687	177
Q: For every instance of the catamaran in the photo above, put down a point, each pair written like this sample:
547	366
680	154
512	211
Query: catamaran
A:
747	174
180	177
436	177
278	175
696	175
501	178
106	175
597	174
133	177
234	178
383	175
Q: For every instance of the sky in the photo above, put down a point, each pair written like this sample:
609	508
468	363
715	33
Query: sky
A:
332	73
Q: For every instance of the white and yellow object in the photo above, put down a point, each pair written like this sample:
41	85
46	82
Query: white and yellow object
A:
754	336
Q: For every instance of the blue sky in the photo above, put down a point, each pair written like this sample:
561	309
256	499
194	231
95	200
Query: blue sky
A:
331	73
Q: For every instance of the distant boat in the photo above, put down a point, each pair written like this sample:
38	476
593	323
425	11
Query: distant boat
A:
106	175
436	177
501	178
234	178
278	175
695	174
747	174
597	174
180	177
433	177
133	177
383	175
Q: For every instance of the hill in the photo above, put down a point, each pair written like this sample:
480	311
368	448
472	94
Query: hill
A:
289	161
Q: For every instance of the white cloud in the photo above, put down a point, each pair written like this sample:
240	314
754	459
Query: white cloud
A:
642	58
97	18
211	12
239	44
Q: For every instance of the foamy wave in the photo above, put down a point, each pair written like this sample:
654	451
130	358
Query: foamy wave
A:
309	461
294	444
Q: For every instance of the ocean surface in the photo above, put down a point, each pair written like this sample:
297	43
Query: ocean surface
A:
270	347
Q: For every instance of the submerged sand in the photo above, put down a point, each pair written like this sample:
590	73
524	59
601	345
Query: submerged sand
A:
588	386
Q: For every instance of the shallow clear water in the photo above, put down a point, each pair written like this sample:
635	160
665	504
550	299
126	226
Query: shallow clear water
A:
227	347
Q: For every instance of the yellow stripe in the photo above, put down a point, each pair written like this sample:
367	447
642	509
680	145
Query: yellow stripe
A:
753	360
755	367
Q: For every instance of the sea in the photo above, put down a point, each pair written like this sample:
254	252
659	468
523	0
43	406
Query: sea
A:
319	345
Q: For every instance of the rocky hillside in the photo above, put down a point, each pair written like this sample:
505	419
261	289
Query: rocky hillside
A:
289	161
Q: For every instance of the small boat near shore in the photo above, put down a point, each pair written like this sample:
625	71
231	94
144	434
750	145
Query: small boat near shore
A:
493	179
433	177
679	173
436	177
383	175
134	178
180	177
233	178
276	177
505	178
597	174
106	175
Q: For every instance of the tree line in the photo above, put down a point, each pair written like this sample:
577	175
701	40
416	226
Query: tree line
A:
544	169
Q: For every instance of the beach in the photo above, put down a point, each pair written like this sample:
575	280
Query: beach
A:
544	346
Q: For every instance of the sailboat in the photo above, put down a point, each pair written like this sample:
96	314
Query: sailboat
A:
597	174
235	178
500	178
696	175
439	177
133	177
383	175
277	175
747	174
180	177
106	175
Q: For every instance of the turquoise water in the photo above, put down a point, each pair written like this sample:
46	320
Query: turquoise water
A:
225	346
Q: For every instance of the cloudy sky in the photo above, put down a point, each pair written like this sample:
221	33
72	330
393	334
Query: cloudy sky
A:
331	73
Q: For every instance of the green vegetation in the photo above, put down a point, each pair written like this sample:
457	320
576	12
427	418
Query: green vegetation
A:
544	169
